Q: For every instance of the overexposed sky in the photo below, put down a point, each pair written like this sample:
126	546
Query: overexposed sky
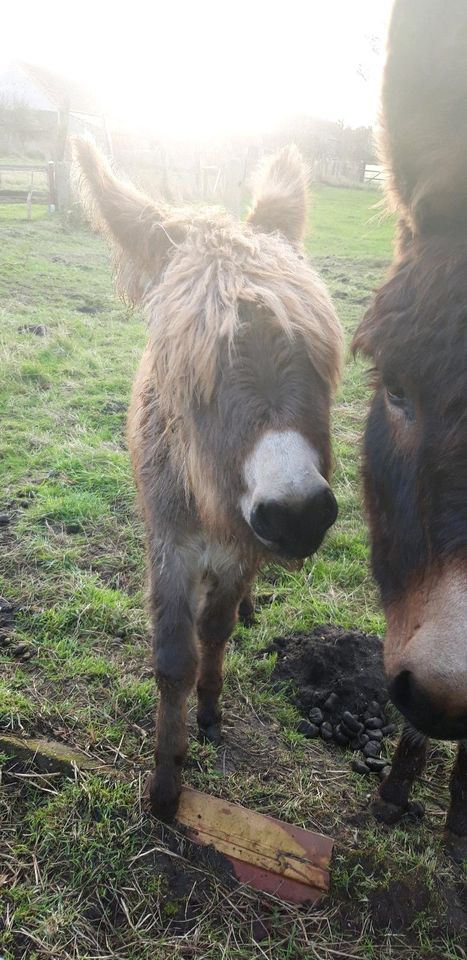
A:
207	67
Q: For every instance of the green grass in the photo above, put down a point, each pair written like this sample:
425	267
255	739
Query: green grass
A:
19	211
84	872
349	223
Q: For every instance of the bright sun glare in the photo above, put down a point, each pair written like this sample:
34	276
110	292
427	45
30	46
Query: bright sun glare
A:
206	68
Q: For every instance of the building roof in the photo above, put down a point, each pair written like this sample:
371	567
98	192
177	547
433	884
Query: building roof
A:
63	92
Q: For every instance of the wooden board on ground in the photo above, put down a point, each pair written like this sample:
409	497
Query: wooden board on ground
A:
267	854
49	756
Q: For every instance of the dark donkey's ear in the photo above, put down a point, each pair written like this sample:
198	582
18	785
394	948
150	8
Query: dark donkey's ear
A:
279	198
365	338
424	113
142	231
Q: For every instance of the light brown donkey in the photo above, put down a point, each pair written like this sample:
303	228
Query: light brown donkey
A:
229	420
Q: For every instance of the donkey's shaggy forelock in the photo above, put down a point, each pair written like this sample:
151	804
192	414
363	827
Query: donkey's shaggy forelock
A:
229	424
194	312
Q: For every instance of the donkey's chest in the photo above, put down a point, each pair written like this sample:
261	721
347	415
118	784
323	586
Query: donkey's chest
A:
214	558
220	558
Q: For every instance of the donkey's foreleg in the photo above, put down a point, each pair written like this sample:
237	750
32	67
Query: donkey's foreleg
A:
246	610
456	823
392	800
175	667
215	625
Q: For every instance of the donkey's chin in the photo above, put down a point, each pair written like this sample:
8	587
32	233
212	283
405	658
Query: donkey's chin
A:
289	553
448	728
439	727
265	543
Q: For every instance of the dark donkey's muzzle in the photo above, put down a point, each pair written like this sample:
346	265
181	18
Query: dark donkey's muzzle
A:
426	653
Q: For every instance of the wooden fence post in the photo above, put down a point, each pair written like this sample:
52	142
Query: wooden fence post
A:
62	185
233	185
51	179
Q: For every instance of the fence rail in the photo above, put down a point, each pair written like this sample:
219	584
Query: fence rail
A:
374	175
179	177
18	184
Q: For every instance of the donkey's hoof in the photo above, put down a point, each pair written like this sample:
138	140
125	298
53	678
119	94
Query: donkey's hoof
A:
456	846
211	734
391	813
386	812
164	795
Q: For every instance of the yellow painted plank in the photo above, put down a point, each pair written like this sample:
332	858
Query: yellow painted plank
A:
254	838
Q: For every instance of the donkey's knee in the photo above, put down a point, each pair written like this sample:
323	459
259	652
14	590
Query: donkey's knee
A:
215	626
175	668
175	665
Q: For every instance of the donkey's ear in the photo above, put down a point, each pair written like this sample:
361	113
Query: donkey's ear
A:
424	107
280	194
363	338
142	231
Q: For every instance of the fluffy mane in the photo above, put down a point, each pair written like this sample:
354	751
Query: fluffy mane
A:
195	308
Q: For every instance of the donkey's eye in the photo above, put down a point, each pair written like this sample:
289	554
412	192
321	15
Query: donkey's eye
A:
397	397
396	394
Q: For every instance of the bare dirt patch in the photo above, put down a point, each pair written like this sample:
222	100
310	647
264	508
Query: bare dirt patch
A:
336	679
331	660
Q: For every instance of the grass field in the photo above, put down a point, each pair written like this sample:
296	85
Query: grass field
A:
84	872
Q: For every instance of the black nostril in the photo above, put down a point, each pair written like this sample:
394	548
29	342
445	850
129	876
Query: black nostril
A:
261	513
325	505
265	520
413	701
402	689
296	529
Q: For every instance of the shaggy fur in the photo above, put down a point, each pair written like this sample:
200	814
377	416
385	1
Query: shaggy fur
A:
194	312
243	340
208	264
415	332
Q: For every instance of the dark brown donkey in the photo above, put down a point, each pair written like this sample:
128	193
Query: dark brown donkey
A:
415	469
229	420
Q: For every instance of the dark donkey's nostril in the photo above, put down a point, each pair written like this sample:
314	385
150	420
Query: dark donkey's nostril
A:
426	713
402	690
